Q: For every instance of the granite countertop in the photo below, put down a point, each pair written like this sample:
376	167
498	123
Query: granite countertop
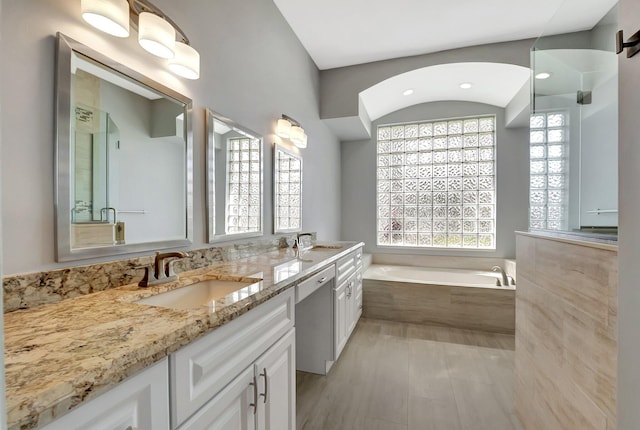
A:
59	355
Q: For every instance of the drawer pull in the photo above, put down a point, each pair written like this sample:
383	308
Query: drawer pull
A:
254	405
266	384
321	280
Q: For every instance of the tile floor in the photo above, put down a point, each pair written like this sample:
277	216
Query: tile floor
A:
401	376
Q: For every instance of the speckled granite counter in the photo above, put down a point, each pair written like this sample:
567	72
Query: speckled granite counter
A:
58	355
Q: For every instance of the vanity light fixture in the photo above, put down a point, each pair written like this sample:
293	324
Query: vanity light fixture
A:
157	33
110	16
289	128
466	85
543	75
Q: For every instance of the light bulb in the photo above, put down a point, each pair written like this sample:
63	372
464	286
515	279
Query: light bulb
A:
283	129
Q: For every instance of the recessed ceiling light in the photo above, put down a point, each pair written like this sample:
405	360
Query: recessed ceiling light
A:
407	92
466	85
543	75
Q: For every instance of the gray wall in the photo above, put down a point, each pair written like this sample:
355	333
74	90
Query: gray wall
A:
340	87
359	179
629	233
3	412
253	70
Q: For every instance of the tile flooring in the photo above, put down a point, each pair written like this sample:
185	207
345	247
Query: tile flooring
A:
401	376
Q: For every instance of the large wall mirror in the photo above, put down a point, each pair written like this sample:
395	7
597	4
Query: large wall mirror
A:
287	190
124	158
234	180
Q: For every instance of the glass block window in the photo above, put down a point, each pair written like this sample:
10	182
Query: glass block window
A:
288	191
436	184
548	206
244	199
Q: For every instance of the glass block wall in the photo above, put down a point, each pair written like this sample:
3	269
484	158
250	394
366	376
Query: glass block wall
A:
243	186
288	189
436	184
548	206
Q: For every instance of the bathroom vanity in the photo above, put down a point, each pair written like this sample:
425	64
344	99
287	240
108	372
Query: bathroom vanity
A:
107	360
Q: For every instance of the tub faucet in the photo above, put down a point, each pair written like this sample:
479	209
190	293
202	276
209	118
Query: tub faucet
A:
505	279
162	269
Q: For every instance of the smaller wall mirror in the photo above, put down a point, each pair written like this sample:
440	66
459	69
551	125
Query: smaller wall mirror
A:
234	180
287	194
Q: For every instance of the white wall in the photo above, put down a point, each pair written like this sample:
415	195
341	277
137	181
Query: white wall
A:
359	179
629	232
253	69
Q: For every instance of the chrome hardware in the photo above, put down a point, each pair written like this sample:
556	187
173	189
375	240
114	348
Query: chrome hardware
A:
266	384
162	271
321	280
140	212
632	44
255	395
603	211
512	281
103	210
505	281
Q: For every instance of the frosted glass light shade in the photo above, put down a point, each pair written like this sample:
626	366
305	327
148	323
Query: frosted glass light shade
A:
110	16
284	128
156	35
303	141
186	62
297	134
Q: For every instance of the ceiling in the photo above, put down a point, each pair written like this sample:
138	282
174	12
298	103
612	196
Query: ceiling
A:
339	33
491	83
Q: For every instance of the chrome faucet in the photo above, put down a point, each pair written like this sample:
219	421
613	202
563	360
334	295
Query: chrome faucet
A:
162	269
299	235
505	279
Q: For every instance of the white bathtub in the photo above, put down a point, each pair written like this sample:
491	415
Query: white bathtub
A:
434	276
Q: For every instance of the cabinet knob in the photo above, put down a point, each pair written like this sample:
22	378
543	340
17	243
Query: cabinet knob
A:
321	280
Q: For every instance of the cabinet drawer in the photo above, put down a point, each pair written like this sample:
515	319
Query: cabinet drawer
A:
307	287
139	402
204	367
345	268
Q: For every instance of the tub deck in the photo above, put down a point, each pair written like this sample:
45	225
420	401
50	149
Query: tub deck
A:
476	307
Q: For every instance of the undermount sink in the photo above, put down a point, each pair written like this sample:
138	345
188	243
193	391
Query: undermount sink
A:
203	293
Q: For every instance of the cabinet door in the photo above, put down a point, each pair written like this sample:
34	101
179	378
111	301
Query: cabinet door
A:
234	408
276	373
139	403
357	293
340	323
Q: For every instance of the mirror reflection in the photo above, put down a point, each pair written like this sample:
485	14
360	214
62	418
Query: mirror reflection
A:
234	165
122	159
287	186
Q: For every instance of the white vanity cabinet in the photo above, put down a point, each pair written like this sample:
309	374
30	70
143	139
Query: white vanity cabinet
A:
262	397
240	376
347	298
139	403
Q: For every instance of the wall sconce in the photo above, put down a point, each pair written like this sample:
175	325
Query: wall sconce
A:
289	128
157	33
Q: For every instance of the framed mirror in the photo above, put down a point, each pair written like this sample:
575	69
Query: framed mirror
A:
234	180
124	158
287	190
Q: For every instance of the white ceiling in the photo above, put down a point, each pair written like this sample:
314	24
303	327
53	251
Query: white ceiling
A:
339	33
492	83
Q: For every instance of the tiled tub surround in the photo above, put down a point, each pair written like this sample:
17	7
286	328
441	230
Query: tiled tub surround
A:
430	296
61	354
24	291
566	333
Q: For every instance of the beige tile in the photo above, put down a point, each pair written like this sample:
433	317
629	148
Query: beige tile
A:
566	341
432	414
478	406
